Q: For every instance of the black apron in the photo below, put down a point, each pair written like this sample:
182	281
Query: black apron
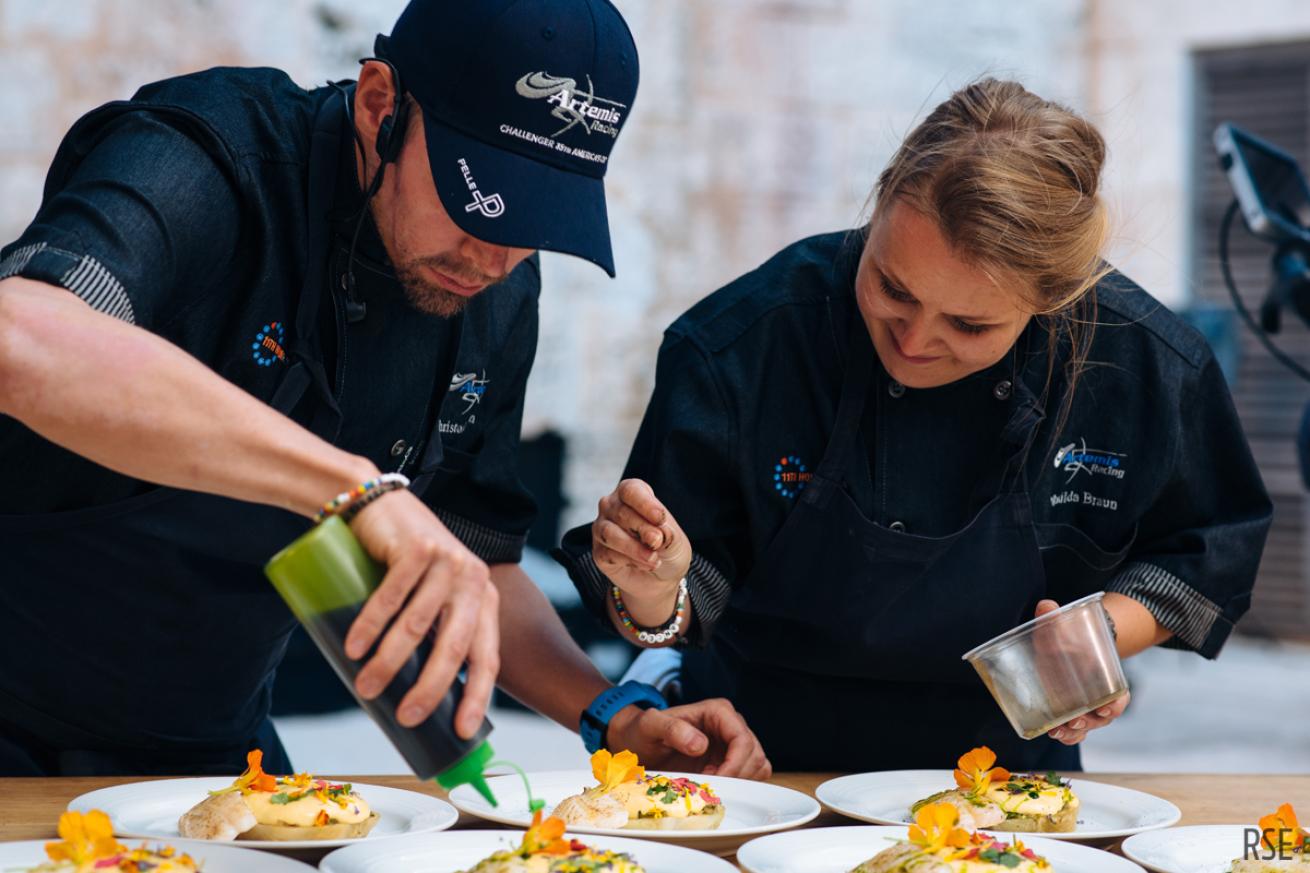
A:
842	648
161	633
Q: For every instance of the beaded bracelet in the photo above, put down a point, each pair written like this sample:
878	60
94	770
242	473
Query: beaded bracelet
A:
655	636
374	488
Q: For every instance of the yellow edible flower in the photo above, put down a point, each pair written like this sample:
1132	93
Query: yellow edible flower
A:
612	771
85	839
934	829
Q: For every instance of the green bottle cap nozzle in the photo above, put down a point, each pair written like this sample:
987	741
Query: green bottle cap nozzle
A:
468	771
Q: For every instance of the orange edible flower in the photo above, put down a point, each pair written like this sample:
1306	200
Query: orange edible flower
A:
1286	831
612	771
975	772
255	779
86	839
545	837
934	828
321	819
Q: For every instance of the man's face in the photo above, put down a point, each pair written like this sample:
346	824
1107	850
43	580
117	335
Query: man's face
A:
440	266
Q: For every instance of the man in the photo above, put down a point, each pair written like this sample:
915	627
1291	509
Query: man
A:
277	295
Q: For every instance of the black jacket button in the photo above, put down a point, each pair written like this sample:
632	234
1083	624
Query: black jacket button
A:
896	389
1003	390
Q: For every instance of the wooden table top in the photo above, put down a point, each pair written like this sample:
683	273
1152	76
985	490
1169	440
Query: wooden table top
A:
1203	799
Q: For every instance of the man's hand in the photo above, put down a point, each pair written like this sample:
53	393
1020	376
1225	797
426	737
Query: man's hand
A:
431	577
708	737
1075	730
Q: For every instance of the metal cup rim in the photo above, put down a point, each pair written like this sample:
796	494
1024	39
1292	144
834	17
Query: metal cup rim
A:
1015	633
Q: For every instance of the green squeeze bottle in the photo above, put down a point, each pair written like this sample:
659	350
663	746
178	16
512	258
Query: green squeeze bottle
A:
325	576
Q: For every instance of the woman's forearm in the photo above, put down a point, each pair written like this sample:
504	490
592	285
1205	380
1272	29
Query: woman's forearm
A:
1137	629
135	403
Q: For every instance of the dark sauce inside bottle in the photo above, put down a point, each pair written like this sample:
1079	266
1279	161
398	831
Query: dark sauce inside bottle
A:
431	746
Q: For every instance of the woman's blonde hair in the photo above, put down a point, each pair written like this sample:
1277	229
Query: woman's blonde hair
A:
1011	181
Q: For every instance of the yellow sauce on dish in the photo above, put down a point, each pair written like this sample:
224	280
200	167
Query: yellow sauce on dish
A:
305	805
1049	799
660	797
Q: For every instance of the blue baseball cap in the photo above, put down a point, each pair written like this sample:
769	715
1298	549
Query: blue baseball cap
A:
523	101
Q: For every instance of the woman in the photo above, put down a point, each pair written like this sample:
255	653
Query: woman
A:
884	447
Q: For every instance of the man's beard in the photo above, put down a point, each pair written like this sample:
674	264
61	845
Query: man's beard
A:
424	294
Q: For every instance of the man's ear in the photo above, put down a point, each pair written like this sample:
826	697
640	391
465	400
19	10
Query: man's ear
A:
375	99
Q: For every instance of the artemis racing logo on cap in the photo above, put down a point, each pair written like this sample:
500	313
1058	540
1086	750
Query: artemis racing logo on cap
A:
491	207
573	106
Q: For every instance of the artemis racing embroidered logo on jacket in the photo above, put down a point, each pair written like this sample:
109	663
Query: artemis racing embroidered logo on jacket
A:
1076	458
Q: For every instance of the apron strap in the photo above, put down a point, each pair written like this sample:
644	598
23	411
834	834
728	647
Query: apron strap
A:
854	395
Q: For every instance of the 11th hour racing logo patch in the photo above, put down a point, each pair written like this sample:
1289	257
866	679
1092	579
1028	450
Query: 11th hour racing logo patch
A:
269	345
790	476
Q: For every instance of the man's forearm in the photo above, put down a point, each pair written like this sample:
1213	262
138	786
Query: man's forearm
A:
540	664
135	403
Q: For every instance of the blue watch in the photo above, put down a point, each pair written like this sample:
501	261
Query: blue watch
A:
596	717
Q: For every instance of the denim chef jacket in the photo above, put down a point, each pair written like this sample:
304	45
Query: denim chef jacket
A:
215	210
1149	489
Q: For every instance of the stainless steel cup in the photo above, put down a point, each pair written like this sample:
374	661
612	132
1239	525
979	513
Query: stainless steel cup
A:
1053	668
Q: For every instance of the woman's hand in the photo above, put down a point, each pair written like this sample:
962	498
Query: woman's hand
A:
639	546
1074	731
431	577
708	737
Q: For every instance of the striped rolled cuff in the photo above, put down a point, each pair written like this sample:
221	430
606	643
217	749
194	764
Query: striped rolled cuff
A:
489	544
18	260
1178	607
83	275
710	592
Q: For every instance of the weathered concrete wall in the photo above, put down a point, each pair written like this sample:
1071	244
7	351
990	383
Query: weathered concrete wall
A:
758	122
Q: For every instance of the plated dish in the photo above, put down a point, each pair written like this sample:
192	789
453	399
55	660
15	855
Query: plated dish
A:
991	797
260	806
87	844
625	796
936	843
1277	844
1102	811
155	809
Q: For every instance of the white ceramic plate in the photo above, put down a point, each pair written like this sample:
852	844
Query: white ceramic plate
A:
750	808
837	850
460	850
217	858
1107	811
150	810
1193	849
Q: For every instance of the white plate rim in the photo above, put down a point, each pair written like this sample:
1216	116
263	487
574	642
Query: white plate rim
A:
284	864
582	777
333	861
445	815
825	791
1135	842
1039	843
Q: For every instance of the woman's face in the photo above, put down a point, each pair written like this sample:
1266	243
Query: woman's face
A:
934	318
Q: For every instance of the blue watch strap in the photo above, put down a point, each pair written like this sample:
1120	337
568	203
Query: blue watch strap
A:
596	717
